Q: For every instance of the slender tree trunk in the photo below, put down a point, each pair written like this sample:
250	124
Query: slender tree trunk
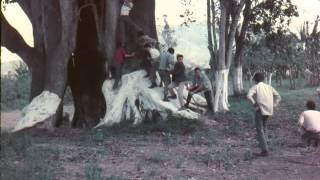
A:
238	72
225	51
221	102
210	39
238	80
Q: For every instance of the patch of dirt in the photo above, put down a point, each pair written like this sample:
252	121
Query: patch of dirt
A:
222	148
9	120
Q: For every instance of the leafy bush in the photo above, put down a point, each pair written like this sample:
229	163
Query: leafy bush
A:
15	88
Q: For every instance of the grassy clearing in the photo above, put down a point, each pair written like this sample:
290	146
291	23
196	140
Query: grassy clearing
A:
172	126
21	158
156	149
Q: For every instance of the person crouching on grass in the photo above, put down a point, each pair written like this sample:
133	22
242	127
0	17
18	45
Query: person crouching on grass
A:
201	83
264	98
309	124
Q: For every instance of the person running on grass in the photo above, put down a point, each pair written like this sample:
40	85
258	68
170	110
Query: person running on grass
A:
264	98
166	61
153	57
178	80
309	124
125	21
119	58
201	83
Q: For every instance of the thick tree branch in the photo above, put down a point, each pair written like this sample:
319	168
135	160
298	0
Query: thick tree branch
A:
13	41
209	28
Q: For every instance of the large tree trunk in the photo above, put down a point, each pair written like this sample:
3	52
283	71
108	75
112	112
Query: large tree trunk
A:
74	43
87	72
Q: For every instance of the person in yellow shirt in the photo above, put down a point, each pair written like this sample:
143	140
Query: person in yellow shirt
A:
264	98
309	124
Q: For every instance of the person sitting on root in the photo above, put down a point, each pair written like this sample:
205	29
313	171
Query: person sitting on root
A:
119	58
178	80
166	61
126	21
201	83
264	98
309	124
153	57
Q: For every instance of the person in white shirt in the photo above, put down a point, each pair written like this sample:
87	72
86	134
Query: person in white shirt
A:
125	21
264	98
309	124
165	64
153	58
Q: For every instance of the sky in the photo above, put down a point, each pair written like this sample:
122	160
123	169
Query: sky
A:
308	10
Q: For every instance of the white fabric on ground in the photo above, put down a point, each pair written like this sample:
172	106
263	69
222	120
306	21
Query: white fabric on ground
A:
121	103
40	109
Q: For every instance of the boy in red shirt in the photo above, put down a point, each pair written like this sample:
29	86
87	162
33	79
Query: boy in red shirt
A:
119	58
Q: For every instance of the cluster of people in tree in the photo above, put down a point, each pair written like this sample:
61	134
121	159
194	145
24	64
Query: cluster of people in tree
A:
264	98
171	71
173	75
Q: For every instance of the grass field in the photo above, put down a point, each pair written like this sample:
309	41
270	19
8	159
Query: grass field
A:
217	147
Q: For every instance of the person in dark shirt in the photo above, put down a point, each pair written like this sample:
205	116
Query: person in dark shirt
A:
119	58
178	80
